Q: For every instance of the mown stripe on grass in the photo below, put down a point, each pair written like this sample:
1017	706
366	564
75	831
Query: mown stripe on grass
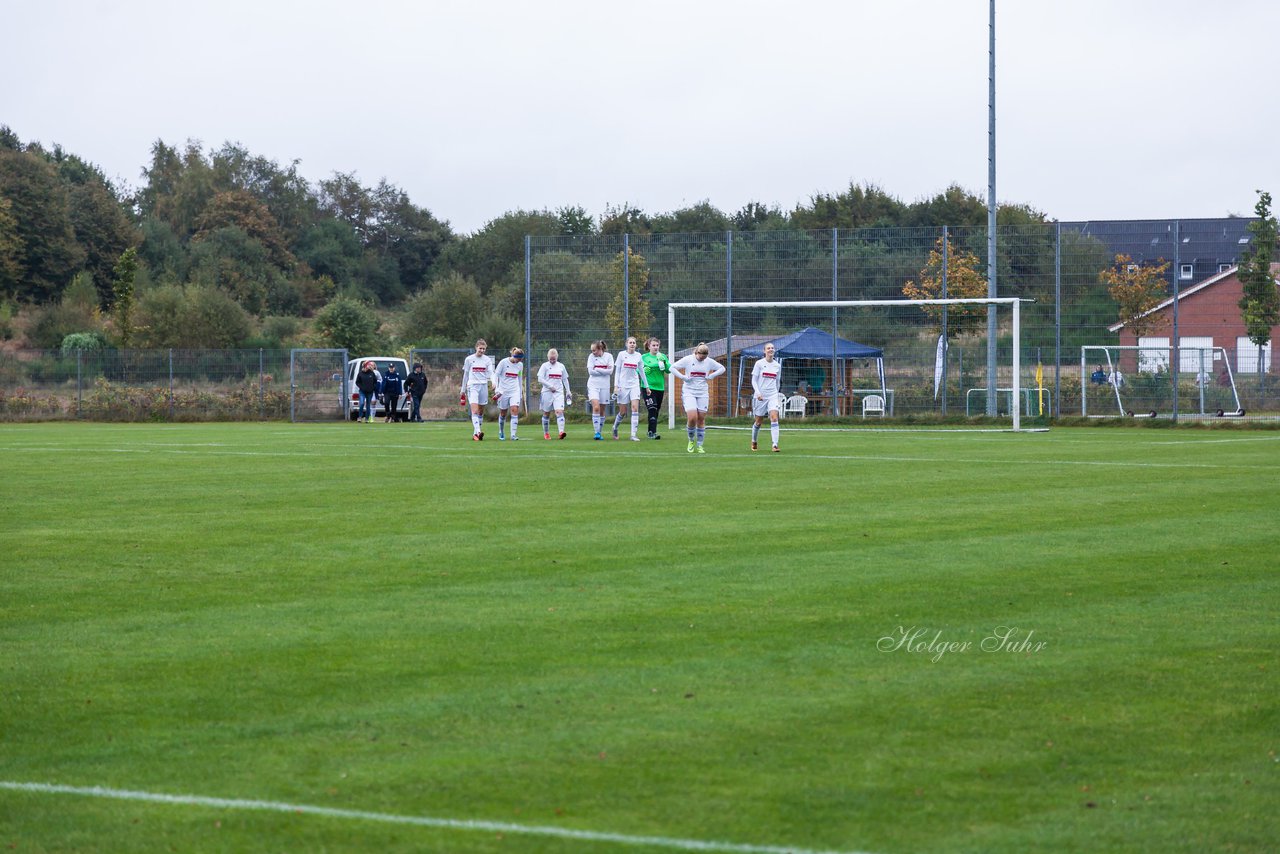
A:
420	821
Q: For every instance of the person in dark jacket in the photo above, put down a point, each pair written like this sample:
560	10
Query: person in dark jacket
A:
392	388
416	385
368	382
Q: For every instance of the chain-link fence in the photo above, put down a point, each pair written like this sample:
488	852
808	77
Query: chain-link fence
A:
1077	356
581	289
146	385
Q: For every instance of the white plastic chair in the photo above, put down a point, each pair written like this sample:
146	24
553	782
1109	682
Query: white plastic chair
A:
873	404
795	405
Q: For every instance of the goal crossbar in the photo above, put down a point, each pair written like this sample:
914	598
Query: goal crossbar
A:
1014	303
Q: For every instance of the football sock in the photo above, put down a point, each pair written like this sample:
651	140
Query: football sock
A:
635	422
755	432
702	434
560	423
773	431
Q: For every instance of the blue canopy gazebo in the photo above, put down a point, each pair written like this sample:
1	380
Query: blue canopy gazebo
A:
814	343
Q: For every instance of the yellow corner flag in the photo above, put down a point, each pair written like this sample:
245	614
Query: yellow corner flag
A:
1040	386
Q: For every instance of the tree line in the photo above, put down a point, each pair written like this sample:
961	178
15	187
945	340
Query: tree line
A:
231	249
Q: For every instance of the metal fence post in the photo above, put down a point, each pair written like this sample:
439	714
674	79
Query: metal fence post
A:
528	315
946	261
833	387
262	391
1057	322
79	381
170	383
731	399
1175	356
626	288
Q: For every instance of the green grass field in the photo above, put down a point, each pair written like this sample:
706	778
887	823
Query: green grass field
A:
627	640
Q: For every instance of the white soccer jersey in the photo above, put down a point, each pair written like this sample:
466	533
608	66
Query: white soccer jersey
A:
766	378
477	370
509	373
554	376
599	370
695	374
628	371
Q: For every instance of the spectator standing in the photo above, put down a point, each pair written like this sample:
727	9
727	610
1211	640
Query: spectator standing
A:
392	388
416	386
368	383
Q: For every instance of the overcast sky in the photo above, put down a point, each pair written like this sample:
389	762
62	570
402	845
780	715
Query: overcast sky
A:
1106	109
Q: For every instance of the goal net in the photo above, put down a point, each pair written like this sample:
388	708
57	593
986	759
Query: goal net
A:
1137	381
856	360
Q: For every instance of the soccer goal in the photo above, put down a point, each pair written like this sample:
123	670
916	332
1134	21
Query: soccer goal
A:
859	360
1136	381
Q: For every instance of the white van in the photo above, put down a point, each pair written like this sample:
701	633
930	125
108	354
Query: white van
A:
399	409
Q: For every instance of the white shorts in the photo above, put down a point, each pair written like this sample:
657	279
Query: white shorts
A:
506	401
694	400
626	395
598	393
761	408
552	400
478	394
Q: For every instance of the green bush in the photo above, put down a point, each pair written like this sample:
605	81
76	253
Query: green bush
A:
90	341
347	323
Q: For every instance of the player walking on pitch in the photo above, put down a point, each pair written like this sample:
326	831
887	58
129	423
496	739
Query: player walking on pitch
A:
508	389
766	377
553	376
695	371
656	367
628	378
599	370
477	374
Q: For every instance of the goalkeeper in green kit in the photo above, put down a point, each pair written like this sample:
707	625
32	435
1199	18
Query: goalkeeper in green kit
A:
656	367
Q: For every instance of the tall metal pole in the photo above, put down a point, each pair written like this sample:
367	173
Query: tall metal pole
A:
991	220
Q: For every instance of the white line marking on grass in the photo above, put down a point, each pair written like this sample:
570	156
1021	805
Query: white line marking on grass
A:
1275	438
581	454
420	821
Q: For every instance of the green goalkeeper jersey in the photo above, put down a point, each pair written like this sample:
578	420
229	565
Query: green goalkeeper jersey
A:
656	369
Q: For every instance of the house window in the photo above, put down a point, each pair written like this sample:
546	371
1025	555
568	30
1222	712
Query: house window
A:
1131	268
1153	355
1247	356
1195	355
1222	268
1186	271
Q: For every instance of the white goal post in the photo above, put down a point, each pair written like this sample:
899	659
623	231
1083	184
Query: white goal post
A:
1014	303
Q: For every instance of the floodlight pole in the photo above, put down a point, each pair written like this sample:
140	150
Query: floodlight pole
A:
991	220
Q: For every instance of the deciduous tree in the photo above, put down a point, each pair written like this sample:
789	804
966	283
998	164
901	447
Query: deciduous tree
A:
1260	304
122	295
964	281
1137	289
